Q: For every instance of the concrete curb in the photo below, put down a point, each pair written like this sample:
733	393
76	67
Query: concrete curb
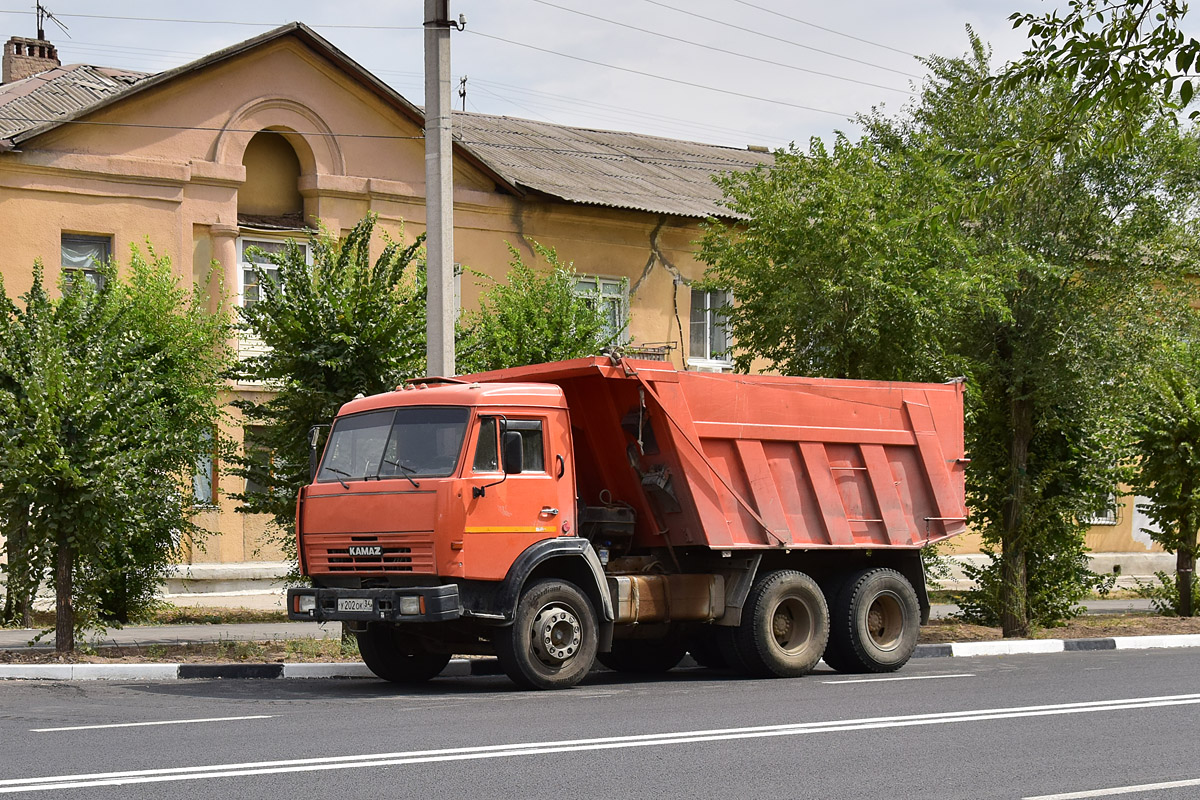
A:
1009	647
463	667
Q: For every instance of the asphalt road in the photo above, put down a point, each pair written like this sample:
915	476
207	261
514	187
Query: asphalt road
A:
1000	727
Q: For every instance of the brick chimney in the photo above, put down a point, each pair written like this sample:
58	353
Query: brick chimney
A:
24	57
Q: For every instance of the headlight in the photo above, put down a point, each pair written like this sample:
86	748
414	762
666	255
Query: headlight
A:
410	605
306	603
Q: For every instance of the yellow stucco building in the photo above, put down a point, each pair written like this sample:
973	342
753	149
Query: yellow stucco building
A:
256	143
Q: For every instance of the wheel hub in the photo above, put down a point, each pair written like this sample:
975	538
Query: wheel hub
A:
556	634
792	625
885	621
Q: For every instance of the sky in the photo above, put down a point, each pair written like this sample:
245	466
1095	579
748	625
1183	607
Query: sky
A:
729	72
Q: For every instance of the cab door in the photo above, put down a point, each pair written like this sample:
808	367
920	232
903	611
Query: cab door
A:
507	512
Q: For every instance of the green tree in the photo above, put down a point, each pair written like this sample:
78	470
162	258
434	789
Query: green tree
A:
532	318
334	328
839	252
1113	53
1042	279
1168	457
1085	251
108	397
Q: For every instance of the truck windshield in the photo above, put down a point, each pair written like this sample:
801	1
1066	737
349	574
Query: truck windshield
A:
421	441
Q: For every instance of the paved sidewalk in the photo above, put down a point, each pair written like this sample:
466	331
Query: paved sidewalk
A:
265	631
182	634
1132	605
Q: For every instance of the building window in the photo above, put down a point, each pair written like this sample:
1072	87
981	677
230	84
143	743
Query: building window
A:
610	295
710	343
82	257
254	252
254	446
1109	515
257	252
204	479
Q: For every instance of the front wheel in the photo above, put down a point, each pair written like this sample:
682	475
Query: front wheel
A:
553	639
397	658
876	621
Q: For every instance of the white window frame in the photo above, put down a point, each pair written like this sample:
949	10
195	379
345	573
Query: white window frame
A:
1111	514
714	299
250	240
602	294
249	346
91	273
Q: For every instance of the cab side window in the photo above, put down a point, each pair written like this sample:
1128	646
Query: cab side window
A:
487	454
531	443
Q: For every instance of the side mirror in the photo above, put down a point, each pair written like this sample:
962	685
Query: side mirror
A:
513	453
314	434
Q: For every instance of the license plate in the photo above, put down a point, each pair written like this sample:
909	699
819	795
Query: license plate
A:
366	550
355	604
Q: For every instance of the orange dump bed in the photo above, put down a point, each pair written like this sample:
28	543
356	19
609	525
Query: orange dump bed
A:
753	461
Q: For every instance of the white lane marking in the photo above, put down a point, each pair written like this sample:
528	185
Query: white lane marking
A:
58	782
1145	787
903	678
142	724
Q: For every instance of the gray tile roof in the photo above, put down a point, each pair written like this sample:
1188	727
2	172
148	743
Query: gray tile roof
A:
579	165
608	168
59	92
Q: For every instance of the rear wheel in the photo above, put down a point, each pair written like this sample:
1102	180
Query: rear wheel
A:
784	627
645	656
398	658
552	641
876	621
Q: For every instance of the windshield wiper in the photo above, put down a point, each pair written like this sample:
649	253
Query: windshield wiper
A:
339	472
405	470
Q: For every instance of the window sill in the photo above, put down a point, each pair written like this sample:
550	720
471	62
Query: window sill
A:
709	365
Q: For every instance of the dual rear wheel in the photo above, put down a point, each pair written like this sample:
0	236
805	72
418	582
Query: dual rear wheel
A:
867	621
875	622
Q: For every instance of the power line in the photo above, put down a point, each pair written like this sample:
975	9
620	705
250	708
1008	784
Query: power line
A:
227	22
214	129
563	100
766	35
744	55
559	103
613	155
828	30
602	156
528	110
661	77
124	49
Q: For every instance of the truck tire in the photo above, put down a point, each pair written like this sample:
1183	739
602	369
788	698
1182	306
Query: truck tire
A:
784	628
553	639
394	657
645	656
875	622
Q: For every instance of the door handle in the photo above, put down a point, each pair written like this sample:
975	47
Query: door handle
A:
547	510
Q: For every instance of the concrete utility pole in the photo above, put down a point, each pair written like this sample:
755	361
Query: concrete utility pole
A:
439	190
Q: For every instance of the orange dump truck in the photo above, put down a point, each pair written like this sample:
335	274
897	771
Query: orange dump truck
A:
624	511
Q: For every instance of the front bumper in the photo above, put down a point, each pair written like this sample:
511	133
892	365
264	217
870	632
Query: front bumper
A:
409	604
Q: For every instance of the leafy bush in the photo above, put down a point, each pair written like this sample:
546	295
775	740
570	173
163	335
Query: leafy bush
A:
1163	592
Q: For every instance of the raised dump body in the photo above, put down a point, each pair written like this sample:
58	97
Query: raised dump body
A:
753	461
628	512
